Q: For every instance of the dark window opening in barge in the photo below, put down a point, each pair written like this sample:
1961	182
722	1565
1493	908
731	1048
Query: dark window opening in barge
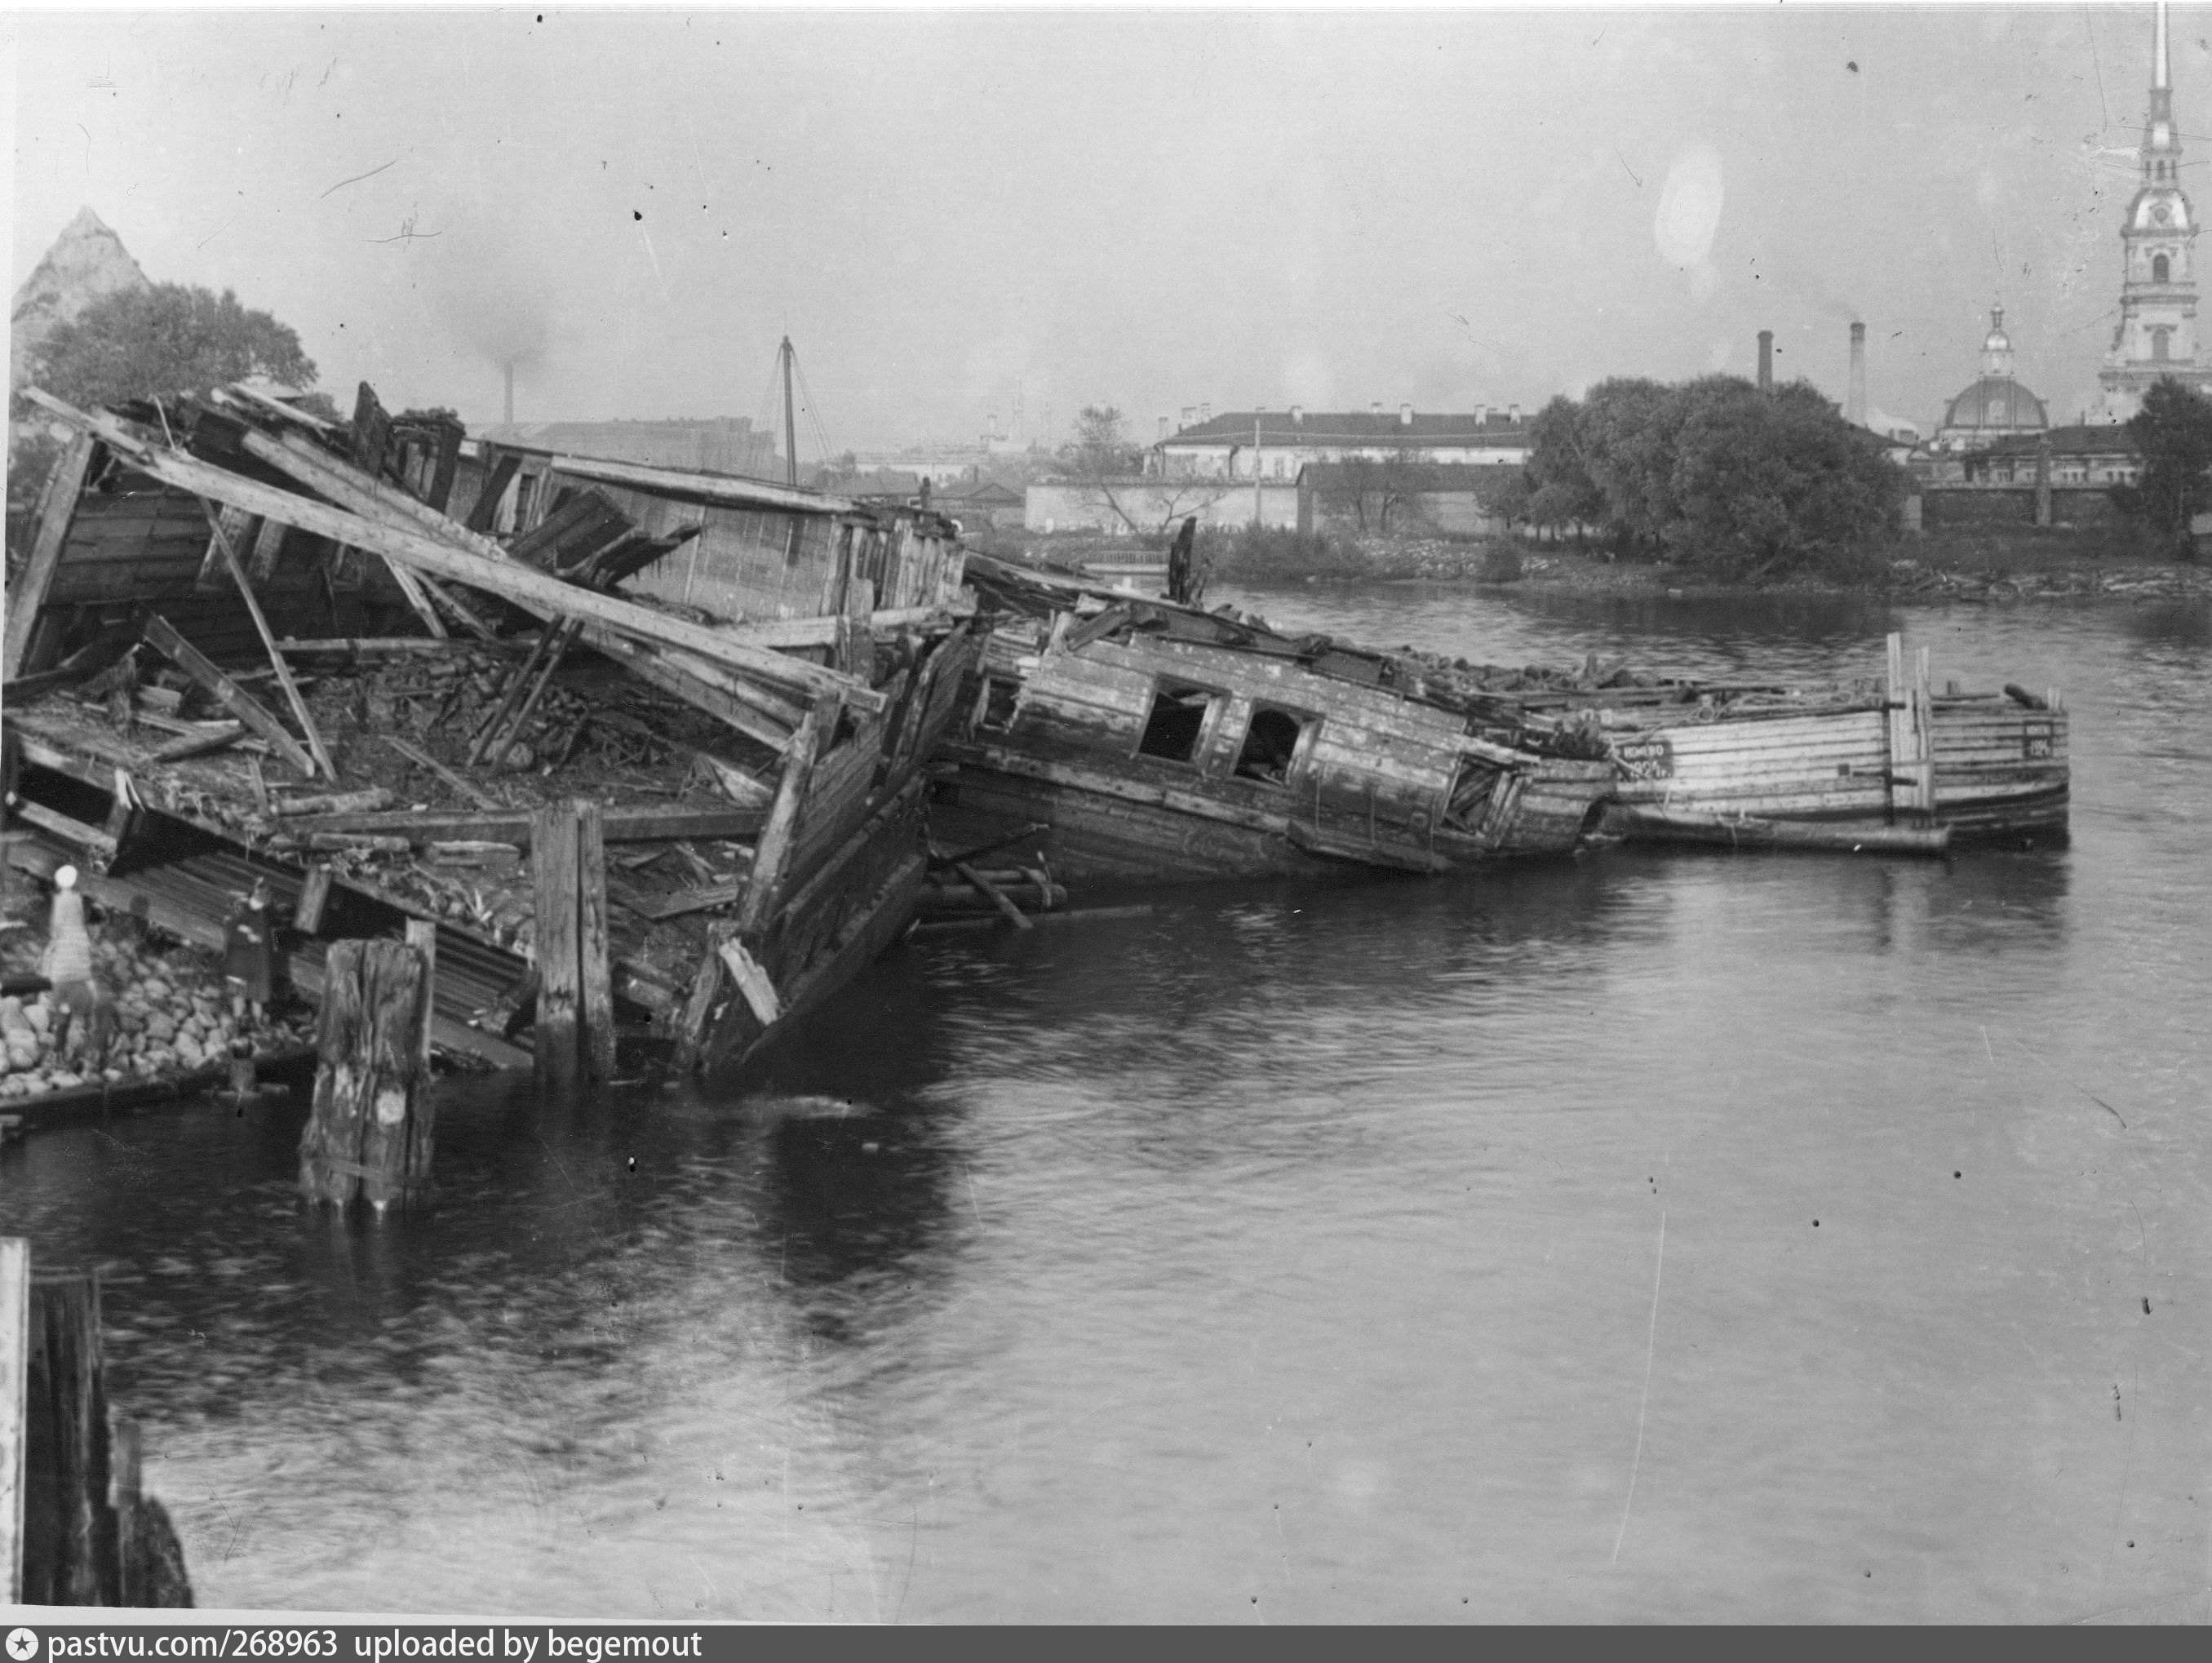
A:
1270	741
1001	694
1178	717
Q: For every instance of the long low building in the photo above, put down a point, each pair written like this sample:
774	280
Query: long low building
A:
1278	443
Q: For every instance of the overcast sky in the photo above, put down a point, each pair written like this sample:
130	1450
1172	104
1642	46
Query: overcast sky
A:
949	210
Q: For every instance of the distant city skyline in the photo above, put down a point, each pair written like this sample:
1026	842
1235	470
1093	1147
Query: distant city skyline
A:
950	210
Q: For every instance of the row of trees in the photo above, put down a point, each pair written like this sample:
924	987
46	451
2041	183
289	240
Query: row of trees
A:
1713	473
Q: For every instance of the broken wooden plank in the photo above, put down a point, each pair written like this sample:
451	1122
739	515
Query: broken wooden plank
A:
269	642
699	1003
57	510
777	836
752	981
162	635
422	758
507	579
314	896
278	406
823	631
723	490
680	901
623	825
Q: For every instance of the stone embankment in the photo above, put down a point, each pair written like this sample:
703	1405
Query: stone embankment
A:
168	1016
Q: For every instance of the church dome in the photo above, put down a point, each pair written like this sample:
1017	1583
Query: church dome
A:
1996	404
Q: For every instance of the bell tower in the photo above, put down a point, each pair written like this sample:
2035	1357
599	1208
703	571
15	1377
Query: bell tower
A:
2157	332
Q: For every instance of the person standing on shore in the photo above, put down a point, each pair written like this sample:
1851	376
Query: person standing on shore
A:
248	953
67	965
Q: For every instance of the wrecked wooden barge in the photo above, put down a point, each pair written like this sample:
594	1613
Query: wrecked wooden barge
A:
646	745
1150	740
1705	761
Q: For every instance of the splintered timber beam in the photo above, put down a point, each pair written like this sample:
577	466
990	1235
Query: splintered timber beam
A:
421	758
516	826
508	580
291	688
782	828
162	637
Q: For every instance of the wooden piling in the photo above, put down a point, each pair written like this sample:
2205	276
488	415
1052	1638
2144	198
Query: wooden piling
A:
369	1132
15	1359
69	1534
595	985
553	868
68	1537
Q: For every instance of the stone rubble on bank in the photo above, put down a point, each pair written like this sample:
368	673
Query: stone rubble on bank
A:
169	1014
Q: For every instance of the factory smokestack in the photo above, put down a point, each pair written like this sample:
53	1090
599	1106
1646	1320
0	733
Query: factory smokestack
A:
510	392
1855	410
1767	361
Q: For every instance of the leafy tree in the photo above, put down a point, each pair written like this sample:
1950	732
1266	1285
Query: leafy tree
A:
2173	431
167	339
1714	472
1765	484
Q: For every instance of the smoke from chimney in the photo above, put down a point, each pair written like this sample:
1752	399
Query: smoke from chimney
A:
1855	406
1767	361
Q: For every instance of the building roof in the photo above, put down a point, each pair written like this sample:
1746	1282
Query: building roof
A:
2094	439
1428	476
1353	427
1996	403
988	491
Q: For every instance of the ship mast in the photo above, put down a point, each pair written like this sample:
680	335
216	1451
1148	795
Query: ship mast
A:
790	431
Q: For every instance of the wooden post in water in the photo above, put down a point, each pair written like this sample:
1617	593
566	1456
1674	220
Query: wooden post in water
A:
14	1382
594	982
560	973
69	1534
369	1132
575	1032
129	1551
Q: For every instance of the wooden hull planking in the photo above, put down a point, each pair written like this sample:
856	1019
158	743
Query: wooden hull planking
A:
2000	770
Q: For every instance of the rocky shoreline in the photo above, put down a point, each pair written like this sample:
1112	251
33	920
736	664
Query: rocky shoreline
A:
169	1015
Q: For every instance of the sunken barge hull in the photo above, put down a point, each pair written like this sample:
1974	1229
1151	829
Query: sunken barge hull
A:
479	648
1140	741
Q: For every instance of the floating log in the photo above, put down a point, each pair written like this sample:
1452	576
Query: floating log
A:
1644	825
368	1133
998	896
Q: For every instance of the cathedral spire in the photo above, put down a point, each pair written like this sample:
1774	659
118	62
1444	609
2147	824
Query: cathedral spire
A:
2159	80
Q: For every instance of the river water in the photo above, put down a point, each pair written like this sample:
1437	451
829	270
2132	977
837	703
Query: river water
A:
1654	1235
